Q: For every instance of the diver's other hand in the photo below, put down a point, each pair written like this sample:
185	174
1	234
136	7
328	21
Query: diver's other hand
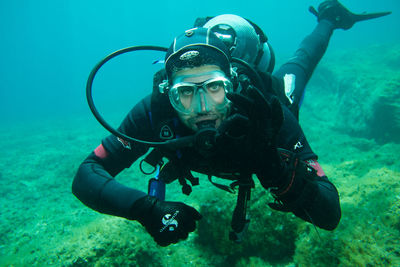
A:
167	222
340	16
253	129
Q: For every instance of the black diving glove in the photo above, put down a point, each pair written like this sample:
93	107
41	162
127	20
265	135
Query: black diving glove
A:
167	222
340	16
251	132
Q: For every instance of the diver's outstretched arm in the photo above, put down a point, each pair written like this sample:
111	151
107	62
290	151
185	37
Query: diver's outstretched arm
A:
297	71
340	16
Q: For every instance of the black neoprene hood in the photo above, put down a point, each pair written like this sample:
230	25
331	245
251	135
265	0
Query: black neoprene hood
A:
197	47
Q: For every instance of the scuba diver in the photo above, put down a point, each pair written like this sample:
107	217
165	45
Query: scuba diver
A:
217	109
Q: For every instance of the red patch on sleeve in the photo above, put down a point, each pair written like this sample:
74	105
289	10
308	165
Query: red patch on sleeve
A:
101	152
316	166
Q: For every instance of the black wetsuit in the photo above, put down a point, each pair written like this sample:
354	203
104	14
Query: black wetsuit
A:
96	187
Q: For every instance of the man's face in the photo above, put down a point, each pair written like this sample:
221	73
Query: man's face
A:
199	95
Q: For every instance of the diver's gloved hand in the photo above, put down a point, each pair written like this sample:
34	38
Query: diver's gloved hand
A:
340	16
167	222
252	132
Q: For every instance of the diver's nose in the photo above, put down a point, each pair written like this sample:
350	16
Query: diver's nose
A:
202	102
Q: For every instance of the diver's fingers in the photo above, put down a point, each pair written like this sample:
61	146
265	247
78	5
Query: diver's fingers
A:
234	126
361	17
313	11
236	119
240	101
261	103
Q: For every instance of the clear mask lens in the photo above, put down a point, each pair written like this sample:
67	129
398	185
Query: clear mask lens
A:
207	96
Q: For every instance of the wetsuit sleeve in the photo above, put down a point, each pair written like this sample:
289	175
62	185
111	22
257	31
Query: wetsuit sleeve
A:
309	196
97	189
291	137
305	189
94	183
306	58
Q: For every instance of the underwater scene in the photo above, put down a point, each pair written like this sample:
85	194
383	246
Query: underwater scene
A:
350	116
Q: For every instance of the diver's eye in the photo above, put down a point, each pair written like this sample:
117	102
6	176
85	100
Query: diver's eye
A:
215	86
186	90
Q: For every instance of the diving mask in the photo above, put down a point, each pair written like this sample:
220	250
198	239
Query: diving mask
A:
209	95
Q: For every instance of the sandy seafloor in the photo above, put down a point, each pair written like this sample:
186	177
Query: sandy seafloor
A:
351	117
